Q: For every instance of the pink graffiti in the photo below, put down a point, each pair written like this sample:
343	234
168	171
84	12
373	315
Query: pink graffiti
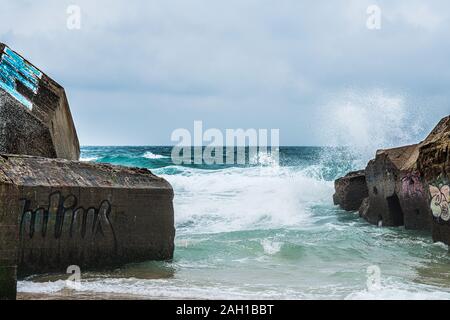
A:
412	185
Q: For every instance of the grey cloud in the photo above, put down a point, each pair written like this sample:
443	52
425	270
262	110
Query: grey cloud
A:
230	63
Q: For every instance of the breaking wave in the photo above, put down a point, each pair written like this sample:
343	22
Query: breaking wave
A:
270	230
151	155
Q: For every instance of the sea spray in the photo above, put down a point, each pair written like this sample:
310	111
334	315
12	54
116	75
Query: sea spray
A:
365	121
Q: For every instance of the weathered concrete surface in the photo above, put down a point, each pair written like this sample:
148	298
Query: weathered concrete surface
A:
434	164
350	190
8	242
413	199
381	176
35	118
75	213
396	193
364	208
403	181
403	177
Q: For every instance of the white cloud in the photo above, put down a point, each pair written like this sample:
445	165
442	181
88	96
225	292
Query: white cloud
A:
421	15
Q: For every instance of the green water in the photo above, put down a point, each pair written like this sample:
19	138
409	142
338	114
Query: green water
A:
267	231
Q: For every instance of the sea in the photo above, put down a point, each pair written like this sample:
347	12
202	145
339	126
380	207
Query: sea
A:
266	230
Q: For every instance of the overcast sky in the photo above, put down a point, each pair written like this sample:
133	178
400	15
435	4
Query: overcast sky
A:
137	70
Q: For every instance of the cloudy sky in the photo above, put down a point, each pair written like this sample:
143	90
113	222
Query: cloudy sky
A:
137	70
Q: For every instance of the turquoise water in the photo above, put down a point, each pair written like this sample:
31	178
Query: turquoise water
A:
266	231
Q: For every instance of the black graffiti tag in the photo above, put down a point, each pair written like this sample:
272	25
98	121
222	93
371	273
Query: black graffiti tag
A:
63	213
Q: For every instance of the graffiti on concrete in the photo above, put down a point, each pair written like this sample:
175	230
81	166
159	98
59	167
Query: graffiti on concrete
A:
440	198
412	185
14	69
65	218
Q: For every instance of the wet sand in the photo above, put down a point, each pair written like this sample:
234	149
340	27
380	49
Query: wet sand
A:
71	295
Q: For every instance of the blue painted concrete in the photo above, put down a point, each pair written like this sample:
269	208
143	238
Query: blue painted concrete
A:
14	68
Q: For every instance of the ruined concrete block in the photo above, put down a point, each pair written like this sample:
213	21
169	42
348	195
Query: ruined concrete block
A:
350	190
90	215
388	192
381	176
434	164
35	118
403	182
396	193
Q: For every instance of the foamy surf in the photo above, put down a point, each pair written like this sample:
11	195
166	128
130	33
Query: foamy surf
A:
265	231
88	159
151	155
245	198
194	289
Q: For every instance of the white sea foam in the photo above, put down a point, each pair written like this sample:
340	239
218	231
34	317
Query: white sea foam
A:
234	199
265	159
151	155
88	159
271	247
190	289
165	289
396	290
